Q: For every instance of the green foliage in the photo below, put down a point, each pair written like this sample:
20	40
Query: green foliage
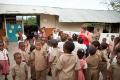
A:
94	24
30	21
115	4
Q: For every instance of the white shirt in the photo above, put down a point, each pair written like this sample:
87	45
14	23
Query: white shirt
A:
3	54
79	46
76	47
83	46
60	45
55	36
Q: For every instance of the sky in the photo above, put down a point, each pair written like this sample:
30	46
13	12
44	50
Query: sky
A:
78	4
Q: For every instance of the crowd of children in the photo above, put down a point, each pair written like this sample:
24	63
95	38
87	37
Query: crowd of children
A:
63	57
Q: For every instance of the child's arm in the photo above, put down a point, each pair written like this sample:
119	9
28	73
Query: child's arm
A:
13	77
13	73
77	68
110	73
76	75
26	71
85	71
8	59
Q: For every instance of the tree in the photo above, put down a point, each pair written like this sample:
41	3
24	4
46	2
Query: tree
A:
30	21
115	4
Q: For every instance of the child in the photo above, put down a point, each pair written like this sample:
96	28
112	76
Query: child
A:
68	63
93	62
81	44
114	69
83	64
23	52
4	61
54	56
19	71
32	66
39	57
105	60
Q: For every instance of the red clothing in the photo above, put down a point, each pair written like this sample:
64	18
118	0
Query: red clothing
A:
4	69
83	65
85	39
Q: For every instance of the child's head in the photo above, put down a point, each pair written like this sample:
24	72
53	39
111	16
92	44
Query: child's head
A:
104	40
63	37
17	57
104	46
1	45
92	50
96	44
74	37
80	40
80	53
54	43
118	57
38	44
112	37
68	47
22	46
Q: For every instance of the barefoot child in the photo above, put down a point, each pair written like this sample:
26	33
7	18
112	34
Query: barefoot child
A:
83	65
19	70
4	61
39	57
68	63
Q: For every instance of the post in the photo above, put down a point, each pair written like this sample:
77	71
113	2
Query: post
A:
5	26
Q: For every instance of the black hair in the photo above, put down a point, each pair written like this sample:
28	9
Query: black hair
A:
54	42
63	37
74	36
1	42
70	39
69	46
16	54
103	46
92	50
21	43
96	44
32	47
80	53
80	40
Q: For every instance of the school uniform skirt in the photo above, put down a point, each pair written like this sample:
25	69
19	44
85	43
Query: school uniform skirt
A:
4	67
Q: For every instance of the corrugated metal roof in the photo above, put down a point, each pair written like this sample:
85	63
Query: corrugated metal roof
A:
65	14
26	9
75	15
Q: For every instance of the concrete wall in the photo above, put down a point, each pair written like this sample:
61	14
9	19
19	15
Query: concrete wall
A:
51	21
70	26
47	21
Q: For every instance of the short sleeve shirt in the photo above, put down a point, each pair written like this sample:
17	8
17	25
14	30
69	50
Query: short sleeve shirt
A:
115	68
40	58
67	64
19	71
3	54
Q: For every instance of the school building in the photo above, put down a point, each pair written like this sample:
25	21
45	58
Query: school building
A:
52	17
